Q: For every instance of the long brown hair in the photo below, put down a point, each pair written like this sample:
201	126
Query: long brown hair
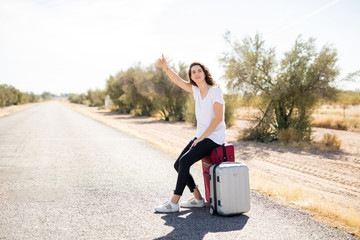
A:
208	78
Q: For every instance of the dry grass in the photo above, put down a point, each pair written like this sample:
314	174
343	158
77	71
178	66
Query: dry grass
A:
331	141
5	111
352	124
332	123
248	116
247	113
336	110
290	139
288	135
113	108
327	116
278	191
345	218
336	117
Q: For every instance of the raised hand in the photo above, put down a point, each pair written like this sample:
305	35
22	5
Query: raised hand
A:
162	62
173	76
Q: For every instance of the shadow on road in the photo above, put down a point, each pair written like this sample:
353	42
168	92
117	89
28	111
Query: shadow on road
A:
196	223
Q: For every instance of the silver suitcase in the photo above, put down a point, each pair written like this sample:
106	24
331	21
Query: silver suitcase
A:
229	188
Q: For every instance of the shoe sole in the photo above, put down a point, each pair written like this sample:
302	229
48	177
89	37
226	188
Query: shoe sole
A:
166	212
192	206
160	211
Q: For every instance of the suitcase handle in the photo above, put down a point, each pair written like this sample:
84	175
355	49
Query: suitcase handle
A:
224	152
214	184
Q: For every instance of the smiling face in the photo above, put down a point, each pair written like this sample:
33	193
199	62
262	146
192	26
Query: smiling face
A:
197	73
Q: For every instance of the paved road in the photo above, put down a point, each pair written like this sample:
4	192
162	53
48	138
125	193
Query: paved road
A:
65	176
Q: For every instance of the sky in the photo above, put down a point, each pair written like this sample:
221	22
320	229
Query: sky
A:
71	46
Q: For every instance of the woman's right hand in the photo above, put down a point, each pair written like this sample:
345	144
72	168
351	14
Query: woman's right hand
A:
162	62
173	76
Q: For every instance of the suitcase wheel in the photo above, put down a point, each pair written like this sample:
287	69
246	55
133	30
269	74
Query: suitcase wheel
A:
212	211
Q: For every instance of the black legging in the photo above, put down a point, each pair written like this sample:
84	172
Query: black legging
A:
187	158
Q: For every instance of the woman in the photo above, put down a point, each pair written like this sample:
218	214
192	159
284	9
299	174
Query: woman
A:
210	130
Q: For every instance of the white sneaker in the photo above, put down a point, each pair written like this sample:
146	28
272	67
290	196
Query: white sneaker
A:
167	207
193	203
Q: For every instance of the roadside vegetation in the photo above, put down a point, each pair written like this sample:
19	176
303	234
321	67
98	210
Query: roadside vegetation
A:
146	91
288	90
9	95
93	98
342	113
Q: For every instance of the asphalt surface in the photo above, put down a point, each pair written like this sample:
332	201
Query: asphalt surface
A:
66	176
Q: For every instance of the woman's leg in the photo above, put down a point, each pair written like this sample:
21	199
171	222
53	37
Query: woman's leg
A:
190	181
185	150
172	205
187	160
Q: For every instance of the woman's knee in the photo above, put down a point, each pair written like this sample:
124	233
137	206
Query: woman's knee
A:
184	163
176	165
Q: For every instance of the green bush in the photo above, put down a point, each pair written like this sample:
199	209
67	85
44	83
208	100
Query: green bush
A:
231	104
96	98
9	95
78	98
189	111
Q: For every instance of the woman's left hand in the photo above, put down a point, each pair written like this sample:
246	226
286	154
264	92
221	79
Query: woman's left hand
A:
196	142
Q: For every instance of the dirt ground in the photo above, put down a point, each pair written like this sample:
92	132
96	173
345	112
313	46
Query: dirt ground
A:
330	176
15	108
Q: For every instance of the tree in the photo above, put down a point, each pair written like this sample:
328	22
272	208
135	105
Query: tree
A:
9	95
133	84
143	91
114	89
288	90
169	99
78	98
129	91
46	96
96	97
29	98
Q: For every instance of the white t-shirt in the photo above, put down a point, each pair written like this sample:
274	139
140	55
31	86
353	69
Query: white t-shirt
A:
204	111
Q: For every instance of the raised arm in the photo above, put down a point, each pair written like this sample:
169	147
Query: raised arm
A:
173	76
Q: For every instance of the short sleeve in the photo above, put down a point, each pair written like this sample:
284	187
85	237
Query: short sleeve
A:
195	91
217	96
